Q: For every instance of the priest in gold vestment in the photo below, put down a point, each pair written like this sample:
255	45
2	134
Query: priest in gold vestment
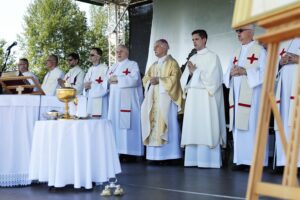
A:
163	100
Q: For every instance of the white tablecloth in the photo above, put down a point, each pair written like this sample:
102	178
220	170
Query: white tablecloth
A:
75	152
18	114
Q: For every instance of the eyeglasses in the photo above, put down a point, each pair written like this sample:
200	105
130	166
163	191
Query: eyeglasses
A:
241	30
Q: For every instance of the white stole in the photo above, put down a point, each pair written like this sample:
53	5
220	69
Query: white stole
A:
121	69
245	95
125	108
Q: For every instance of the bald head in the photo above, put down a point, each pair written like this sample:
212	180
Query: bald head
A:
122	53
161	48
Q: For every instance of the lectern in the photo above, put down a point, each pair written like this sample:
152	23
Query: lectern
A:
20	85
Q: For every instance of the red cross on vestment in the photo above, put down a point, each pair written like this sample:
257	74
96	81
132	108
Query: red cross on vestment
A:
282	52
110	73
99	80
235	60
252	58
126	72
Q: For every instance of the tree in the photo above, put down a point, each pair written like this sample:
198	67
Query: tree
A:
96	37
53	27
10	65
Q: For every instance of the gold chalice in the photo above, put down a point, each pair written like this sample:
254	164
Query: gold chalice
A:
66	94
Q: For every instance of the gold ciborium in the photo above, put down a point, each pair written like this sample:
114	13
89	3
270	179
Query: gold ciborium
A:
66	94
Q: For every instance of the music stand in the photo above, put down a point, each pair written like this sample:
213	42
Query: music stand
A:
20	85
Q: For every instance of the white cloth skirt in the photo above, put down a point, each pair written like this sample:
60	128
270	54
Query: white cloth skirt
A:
203	156
171	150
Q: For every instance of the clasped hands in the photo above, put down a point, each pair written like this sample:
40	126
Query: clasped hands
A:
87	85
237	71
113	79
154	81
289	58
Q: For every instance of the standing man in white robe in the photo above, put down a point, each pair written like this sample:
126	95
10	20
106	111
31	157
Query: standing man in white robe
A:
163	101
204	128
23	66
244	77
96	86
285	92
74	77
125	98
50	82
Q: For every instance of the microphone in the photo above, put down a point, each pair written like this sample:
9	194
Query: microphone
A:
193	52
11	46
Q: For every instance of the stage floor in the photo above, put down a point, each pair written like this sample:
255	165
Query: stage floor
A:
144	181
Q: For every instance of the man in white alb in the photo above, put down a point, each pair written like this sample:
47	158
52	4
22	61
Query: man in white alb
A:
74	77
285	92
244	77
95	86
50	82
23	66
125	98
204	128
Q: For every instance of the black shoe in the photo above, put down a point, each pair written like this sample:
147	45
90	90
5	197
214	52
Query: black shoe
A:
127	158
278	170
240	167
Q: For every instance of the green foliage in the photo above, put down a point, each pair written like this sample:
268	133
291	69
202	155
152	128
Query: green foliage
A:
59	27
53	27
2	53
10	65
98	28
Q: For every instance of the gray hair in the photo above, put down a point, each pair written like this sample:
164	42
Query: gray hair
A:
122	46
163	43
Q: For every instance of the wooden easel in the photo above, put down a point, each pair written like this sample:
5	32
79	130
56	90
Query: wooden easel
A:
281	25
20	84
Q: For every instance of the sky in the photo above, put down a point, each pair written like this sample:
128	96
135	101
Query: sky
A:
11	18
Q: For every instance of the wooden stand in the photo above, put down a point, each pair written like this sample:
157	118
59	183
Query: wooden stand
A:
20	85
280	26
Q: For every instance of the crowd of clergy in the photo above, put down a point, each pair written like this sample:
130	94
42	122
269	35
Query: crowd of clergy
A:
144	111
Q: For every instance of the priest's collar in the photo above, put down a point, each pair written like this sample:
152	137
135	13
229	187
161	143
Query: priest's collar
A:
202	51
248	44
53	69
162	59
74	68
97	65
122	62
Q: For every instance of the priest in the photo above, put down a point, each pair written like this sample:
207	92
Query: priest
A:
95	86
125	97
23	66
204	128
285	92
163	101
244	77
50	82
75	76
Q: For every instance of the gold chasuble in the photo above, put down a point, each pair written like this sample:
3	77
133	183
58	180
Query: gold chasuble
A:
158	99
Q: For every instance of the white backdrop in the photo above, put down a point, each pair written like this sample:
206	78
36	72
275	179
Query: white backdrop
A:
259	6
174	20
